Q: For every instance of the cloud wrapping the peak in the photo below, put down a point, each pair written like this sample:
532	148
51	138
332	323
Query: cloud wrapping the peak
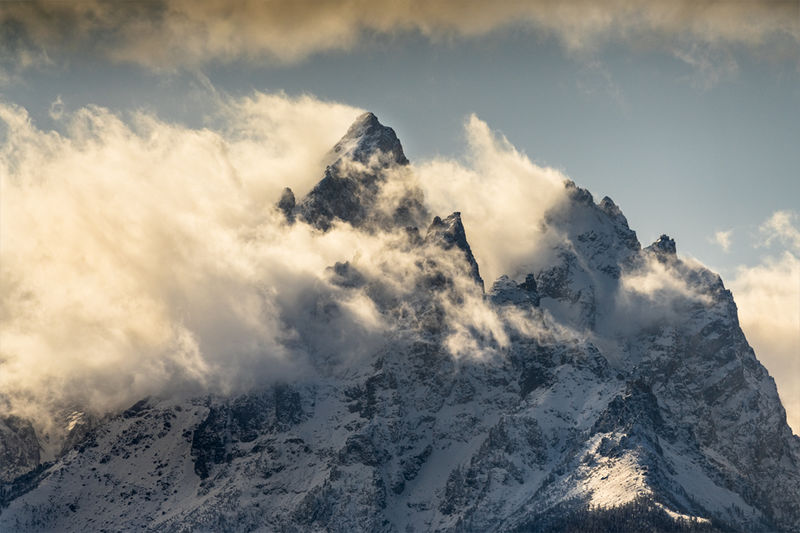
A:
169	34
503	197
140	256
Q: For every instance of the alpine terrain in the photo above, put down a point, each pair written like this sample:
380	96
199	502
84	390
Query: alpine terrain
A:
605	387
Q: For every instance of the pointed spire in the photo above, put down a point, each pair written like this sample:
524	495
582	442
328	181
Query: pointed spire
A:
367	137
449	233
664	246
349	192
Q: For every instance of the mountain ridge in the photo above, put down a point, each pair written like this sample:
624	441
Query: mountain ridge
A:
584	391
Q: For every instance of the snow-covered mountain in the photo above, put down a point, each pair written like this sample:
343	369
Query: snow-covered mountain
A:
610	388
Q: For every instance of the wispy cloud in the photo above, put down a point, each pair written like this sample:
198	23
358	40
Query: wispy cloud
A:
56	110
782	227
723	239
168	34
710	64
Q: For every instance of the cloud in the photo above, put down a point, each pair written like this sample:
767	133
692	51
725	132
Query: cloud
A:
168	34
140	256
660	285
503	196
782	227
723	239
56	108
710	64
768	297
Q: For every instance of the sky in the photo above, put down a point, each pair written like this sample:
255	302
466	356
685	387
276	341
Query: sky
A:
686	113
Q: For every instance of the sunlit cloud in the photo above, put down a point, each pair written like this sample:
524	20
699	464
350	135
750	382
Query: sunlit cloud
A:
503	196
142	256
168	34
768	297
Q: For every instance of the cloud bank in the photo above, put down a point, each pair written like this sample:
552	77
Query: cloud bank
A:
768	297
168	34
141	257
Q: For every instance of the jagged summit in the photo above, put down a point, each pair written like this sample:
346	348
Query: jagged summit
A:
450	233
570	401
366	138
664	246
349	191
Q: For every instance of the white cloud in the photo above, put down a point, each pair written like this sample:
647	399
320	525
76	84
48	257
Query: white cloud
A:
768	298
710	64
140	256
782	227
723	239
660	285
56	108
503	196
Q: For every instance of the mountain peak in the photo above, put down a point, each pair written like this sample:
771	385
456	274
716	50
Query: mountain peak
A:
450	233
366	138
349	192
366	120
664	246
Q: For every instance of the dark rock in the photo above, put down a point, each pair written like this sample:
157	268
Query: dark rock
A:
367	138
286	204
664	247
345	275
449	233
19	447
506	292
350	188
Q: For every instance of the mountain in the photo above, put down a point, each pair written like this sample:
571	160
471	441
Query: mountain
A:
610	388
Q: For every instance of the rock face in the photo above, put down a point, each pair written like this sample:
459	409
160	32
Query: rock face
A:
350	190
664	247
19	448
505	291
286	204
449	233
594	405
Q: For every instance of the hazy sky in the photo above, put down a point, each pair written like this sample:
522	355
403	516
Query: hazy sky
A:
687	114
